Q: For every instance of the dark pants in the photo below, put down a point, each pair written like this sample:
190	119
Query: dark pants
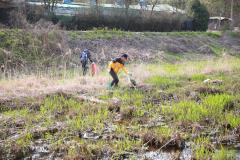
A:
115	78
84	67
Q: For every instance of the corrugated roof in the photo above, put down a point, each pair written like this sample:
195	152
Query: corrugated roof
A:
220	18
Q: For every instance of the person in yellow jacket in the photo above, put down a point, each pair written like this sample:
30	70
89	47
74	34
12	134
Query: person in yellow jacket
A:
115	66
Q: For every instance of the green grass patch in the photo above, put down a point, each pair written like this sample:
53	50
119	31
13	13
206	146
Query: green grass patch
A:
163	131
22	113
186	111
224	154
202	148
198	77
170	68
233	34
215	104
214	34
212	107
186	34
163	82
128	96
217	49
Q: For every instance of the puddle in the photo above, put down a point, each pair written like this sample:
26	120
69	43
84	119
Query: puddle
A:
40	150
238	155
91	135
186	154
157	155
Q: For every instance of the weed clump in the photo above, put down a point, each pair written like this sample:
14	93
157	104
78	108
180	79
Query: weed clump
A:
186	111
216	104
156	140
202	148
224	154
114	105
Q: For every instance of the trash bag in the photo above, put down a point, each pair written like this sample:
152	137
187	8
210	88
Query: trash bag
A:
94	69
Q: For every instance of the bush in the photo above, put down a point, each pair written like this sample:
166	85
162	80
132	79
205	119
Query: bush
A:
200	16
163	22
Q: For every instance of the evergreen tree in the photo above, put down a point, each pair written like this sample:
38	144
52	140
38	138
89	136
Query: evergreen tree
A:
200	15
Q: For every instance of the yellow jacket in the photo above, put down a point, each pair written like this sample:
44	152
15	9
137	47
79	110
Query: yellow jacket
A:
117	65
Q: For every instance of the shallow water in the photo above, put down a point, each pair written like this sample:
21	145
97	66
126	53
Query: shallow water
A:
186	154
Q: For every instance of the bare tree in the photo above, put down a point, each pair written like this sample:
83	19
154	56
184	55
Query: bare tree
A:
50	4
127	5
153	3
232	4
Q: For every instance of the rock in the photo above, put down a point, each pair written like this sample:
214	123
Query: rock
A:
215	82
39	149
207	81
109	128
160	121
89	134
118	117
237	146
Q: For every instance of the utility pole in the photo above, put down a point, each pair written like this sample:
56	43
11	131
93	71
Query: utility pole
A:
232	2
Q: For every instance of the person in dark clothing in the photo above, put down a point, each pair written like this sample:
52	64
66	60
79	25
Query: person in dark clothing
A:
85	56
115	66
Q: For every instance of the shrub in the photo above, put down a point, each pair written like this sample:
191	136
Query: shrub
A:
133	22
200	16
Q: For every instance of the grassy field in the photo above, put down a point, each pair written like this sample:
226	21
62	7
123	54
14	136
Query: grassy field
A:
186	104
184	110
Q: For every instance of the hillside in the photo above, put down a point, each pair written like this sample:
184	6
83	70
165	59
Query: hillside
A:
30	50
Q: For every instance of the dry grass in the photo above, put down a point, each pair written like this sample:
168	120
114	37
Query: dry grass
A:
34	86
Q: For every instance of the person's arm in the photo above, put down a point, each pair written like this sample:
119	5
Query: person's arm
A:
110	65
80	55
89	57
